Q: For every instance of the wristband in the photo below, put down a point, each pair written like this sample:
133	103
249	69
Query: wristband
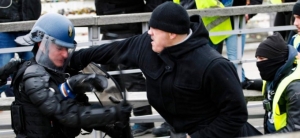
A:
65	91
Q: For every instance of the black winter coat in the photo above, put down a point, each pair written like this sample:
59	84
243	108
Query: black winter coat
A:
191	86
19	10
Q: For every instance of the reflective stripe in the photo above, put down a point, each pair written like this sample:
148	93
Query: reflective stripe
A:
216	22
263	88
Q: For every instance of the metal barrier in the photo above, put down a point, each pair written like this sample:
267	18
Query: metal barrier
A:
94	33
94	22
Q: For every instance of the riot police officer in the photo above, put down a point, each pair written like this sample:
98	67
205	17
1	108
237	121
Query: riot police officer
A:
46	103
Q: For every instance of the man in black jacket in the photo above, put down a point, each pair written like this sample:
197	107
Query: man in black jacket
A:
192	87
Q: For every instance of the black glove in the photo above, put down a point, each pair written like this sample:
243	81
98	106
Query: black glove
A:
9	69
82	99
119	128
123	111
82	83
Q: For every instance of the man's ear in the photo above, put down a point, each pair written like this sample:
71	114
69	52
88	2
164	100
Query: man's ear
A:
172	35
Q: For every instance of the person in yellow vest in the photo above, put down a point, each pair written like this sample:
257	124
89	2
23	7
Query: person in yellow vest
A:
295	40
281	90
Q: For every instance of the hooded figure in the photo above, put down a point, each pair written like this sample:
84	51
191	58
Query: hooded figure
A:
275	62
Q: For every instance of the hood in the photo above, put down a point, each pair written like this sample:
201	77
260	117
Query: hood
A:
286	68
198	38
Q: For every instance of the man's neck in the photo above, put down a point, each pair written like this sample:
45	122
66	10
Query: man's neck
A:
181	38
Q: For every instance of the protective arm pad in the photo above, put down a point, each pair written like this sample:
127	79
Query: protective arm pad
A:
37	88
90	118
50	102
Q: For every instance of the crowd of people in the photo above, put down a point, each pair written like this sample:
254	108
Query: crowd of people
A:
180	89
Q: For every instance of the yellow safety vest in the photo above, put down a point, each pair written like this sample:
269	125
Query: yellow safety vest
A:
215	23
280	118
276	1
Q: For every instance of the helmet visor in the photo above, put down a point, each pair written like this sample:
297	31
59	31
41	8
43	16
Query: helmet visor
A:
54	56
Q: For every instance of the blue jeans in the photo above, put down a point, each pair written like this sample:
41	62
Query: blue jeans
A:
231	46
7	41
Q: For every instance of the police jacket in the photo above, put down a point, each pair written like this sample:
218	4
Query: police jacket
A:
191	86
42	110
289	101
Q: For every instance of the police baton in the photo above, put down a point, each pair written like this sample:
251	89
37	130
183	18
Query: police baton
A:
126	132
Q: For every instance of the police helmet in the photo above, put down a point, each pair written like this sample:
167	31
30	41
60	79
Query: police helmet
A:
55	35
54	25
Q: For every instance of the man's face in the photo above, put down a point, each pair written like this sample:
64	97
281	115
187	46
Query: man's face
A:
58	54
160	39
297	22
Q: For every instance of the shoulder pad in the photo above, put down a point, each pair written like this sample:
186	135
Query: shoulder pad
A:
34	71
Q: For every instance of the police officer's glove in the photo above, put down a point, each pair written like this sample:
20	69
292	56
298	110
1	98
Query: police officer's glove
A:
82	99
123	111
82	83
9	69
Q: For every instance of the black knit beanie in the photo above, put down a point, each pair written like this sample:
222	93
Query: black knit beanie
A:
296	9
274	46
170	17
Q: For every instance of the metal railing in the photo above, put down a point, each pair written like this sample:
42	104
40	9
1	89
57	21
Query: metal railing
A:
93	24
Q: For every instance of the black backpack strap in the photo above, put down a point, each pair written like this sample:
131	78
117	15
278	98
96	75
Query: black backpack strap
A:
17	77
